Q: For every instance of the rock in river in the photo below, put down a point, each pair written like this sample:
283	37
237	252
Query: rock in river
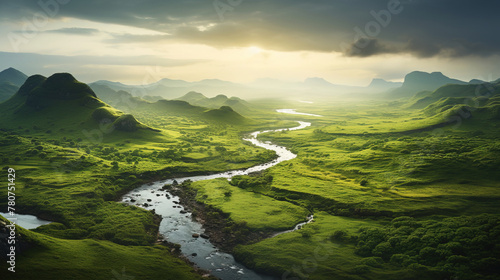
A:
196	235
204	236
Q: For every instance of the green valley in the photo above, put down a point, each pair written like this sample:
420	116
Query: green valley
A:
398	189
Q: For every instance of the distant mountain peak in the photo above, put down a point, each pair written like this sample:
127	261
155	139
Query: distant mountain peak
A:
13	76
381	83
220	96
428	81
316	81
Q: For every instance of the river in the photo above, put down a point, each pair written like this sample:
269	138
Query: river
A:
25	221
177	226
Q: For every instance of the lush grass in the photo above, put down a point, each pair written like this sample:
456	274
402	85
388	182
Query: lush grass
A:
313	252
357	166
407	173
51	258
258	211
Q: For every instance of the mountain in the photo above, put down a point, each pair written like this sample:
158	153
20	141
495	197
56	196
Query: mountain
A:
237	104
382	85
13	76
417	81
224	114
317	83
62	102
467	91
173	108
7	90
120	99
476	82
174	83
154	89
10	81
477	101
193	97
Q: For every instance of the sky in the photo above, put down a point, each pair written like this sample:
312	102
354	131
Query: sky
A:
343	41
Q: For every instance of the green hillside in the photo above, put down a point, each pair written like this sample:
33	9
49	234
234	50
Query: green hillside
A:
237	104
224	114
477	102
7	90
43	257
58	103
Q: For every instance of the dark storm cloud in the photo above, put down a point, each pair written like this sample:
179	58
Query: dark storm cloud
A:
423	28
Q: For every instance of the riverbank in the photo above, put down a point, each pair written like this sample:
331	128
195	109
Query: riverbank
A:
219	227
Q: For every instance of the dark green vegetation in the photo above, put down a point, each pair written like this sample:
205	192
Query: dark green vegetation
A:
462	247
361	169
46	257
74	156
406	190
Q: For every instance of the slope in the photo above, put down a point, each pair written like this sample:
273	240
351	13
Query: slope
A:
421	81
224	114
13	76
48	257
237	104
7	90
61	102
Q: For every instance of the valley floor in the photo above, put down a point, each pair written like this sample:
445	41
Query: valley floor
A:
390	201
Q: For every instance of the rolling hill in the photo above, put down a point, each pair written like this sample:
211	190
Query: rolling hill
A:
193	105
479	102
237	104
61	102
224	114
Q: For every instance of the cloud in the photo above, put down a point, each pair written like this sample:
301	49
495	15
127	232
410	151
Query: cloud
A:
367	47
75	31
424	28
41	61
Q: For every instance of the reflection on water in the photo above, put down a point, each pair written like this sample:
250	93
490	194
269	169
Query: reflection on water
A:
293	112
25	221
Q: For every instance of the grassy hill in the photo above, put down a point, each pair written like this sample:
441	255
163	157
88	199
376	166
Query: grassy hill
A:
475	92
44	257
224	114
60	102
476	103
237	104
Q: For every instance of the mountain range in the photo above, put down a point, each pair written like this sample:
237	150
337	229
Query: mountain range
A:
118	94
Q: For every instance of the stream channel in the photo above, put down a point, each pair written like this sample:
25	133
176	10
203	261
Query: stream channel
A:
177	225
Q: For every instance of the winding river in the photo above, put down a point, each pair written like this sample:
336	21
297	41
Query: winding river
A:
177	226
